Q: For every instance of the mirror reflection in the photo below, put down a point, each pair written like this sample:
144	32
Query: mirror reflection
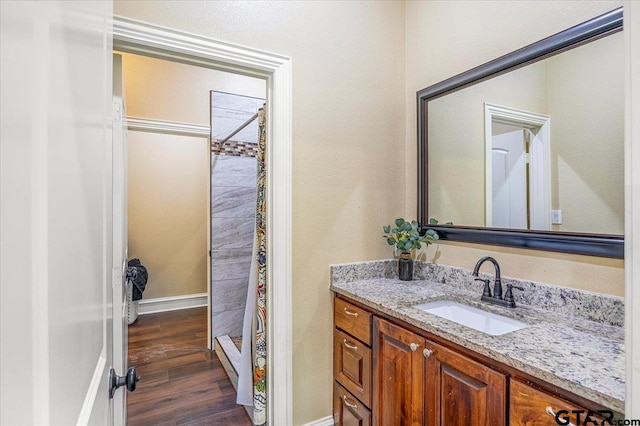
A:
540	147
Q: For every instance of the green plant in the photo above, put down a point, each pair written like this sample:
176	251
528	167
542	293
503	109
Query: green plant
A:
434	221
406	236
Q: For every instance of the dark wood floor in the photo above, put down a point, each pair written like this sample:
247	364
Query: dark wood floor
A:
183	383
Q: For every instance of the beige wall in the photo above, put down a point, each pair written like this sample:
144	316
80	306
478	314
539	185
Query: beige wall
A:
165	90
348	144
586	105
167	211
446	38
168	174
457	143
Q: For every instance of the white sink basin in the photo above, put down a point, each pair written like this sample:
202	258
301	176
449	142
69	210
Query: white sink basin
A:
475	318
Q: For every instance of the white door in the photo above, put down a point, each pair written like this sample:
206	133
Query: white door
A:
509	181
56	189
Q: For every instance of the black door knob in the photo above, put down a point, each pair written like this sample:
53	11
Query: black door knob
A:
129	380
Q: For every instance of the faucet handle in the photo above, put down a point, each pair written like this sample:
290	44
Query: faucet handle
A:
508	296
487	289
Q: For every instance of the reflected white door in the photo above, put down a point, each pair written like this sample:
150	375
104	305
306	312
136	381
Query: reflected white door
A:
509	181
56	223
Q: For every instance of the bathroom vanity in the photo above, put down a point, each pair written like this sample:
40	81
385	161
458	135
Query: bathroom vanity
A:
443	350
395	363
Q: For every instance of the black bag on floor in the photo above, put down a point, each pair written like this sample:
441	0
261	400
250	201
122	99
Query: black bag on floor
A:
138	275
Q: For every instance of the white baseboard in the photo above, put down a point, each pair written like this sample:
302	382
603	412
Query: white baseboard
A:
174	303
325	421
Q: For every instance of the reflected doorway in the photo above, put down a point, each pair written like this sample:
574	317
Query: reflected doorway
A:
517	173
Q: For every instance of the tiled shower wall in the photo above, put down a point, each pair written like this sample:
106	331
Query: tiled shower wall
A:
233	196
233	199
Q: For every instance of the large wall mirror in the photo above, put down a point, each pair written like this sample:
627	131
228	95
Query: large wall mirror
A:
528	149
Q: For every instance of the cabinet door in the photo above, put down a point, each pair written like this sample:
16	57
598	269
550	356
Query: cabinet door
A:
462	392
398	383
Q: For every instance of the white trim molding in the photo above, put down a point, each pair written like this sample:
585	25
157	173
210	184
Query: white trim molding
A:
92	392
632	204
146	39
325	421
279	246
173	303
142	38
167	127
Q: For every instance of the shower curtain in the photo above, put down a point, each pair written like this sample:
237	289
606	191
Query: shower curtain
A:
252	381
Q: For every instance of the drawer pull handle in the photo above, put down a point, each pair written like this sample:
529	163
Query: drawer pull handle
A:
552	413
349	404
351	313
349	346
414	346
427	353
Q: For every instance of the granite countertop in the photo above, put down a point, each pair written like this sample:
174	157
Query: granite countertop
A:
576	354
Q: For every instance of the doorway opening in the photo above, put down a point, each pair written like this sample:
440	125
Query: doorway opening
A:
183	183
517	169
136	37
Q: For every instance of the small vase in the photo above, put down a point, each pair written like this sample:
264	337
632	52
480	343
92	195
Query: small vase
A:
405	267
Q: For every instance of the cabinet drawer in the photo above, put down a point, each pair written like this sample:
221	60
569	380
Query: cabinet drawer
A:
529	406
352	366
353	320
347	410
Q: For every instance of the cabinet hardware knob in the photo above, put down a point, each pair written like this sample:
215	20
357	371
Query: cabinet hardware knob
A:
552	413
414	346
349	346
427	353
348	312
349	404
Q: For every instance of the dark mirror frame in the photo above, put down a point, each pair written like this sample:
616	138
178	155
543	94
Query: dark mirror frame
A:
578	243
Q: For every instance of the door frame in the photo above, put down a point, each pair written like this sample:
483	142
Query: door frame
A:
540	160
120	238
147	39
632	208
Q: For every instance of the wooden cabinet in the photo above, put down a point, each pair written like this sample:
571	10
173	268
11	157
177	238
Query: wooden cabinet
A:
529	406
347	410
419	382
398	390
353	320
460	391
351	364
387	375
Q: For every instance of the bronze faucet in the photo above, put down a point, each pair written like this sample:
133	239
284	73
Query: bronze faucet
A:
496	298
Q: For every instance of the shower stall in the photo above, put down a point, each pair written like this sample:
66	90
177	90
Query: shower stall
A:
234	137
